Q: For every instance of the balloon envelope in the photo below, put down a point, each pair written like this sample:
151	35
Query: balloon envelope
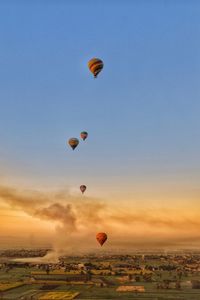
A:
73	142
83	188
95	66
101	237
84	135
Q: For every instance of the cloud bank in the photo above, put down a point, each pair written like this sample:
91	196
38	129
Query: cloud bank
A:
76	221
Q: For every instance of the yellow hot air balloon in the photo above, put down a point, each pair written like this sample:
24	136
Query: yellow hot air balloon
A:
73	142
95	65
101	237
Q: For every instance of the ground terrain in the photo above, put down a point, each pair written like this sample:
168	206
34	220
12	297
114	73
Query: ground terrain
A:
160	276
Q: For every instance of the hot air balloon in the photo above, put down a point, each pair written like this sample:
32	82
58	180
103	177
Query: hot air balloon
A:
73	142
101	238
84	135
83	188
95	65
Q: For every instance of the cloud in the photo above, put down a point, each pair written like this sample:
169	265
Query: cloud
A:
62	213
77	220
73	217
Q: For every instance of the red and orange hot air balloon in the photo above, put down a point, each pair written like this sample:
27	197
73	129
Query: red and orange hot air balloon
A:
73	142
95	66
84	135
101	237
83	188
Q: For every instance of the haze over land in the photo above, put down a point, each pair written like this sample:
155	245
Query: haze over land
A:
68	221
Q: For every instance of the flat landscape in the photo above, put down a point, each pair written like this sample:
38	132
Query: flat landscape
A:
133	276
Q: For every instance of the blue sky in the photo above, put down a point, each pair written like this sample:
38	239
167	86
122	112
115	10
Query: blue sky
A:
142	113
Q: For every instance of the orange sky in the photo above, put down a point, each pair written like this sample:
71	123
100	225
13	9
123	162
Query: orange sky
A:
65	219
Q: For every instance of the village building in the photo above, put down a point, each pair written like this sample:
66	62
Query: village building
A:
131	288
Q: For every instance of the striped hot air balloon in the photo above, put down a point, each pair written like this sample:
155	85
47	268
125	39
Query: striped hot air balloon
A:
95	65
73	142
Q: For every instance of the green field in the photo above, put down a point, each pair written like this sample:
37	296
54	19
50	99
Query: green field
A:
20	283
101	293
